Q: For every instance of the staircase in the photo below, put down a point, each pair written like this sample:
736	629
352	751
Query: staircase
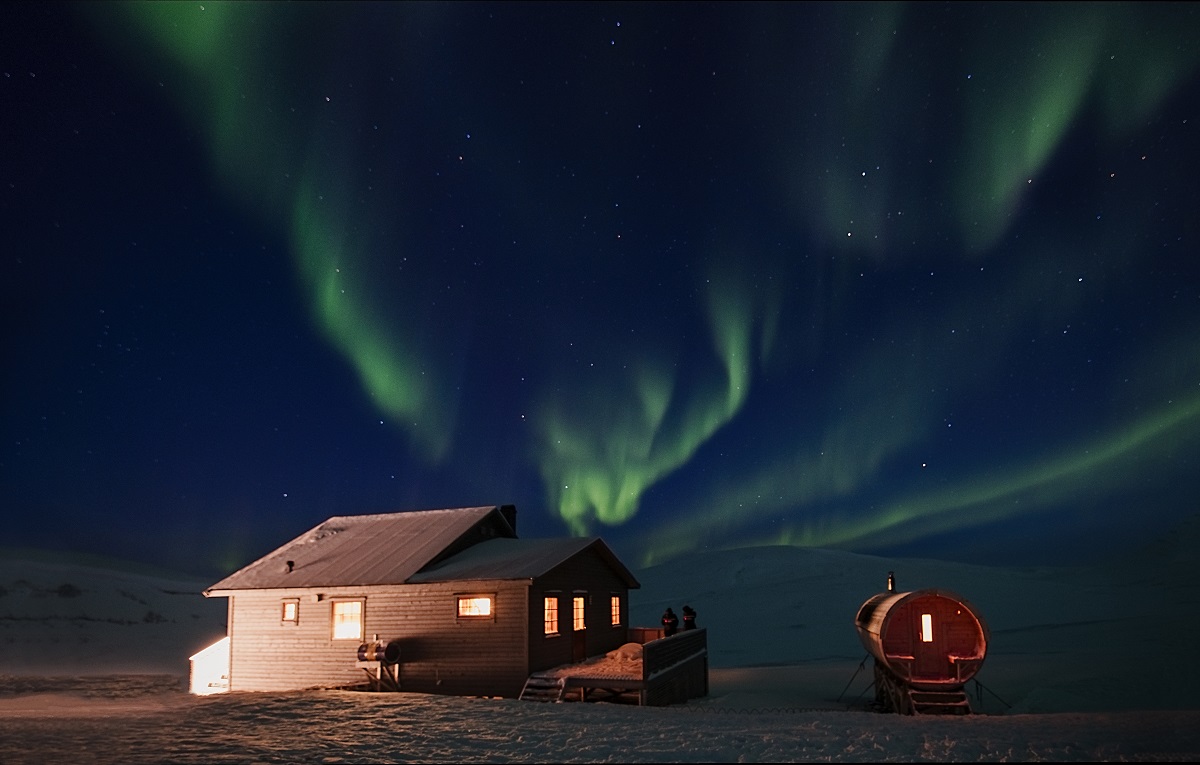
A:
939	702
541	687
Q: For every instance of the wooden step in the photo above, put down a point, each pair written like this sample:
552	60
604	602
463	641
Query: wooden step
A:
939	703
542	688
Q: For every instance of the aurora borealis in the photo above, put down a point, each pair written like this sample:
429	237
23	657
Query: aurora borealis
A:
907	278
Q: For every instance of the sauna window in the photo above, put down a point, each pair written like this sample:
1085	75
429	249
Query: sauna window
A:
290	611
579	623
551	616
616	610
926	628
474	606
347	620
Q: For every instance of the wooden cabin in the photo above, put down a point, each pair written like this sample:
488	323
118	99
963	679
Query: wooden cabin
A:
463	606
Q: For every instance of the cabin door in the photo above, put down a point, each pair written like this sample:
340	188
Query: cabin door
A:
579	631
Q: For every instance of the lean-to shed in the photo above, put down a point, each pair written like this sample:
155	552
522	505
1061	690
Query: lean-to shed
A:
466	606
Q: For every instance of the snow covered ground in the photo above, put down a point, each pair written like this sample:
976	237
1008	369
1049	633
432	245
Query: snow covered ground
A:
110	724
1083	665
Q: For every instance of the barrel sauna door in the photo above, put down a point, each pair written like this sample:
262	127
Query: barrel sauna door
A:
931	649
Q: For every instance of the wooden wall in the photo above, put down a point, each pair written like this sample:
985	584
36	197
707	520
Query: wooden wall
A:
440	652
585	574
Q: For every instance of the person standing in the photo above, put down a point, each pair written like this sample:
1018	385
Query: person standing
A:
670	622
689	618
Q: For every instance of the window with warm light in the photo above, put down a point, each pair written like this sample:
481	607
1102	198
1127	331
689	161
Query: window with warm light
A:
474	606
290	611
616	610
580	624
926	628
347	620
551	616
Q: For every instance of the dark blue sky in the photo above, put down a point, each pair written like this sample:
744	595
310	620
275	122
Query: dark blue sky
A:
904	278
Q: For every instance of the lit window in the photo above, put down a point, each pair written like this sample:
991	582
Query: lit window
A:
579	622
926	628
291	611
347	620
474	605
616	610
551	616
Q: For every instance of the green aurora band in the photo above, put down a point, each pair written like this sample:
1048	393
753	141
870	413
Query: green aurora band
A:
1025	83
598	469
1016	117
215	50
1017	489
1031	83
1007	96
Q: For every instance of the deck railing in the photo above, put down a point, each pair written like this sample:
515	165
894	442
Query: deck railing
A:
675	668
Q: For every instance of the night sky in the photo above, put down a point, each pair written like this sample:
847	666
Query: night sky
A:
911	279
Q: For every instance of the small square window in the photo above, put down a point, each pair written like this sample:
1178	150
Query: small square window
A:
290	611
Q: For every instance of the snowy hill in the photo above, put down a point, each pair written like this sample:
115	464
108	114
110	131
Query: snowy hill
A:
1061	639
62	616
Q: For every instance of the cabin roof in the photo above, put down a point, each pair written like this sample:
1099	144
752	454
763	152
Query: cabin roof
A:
518	559
385	548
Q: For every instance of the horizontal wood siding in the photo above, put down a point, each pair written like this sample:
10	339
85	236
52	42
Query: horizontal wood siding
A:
590	573
689	681
267	654
675	668
444	654
440	653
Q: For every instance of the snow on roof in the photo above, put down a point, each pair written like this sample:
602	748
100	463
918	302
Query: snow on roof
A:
517	559
385	548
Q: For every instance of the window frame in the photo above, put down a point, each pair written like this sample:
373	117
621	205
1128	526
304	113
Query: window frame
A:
460	597
547	598
616	613
333	622
579	606
283	612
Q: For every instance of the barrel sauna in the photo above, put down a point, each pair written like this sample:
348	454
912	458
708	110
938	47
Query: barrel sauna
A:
927	644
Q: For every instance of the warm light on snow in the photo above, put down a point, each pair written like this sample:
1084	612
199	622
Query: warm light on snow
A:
210	669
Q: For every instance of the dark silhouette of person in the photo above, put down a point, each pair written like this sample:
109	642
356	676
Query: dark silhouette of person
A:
689	618
670	622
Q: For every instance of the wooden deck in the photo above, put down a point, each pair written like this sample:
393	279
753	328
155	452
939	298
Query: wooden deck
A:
671	670
598	687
